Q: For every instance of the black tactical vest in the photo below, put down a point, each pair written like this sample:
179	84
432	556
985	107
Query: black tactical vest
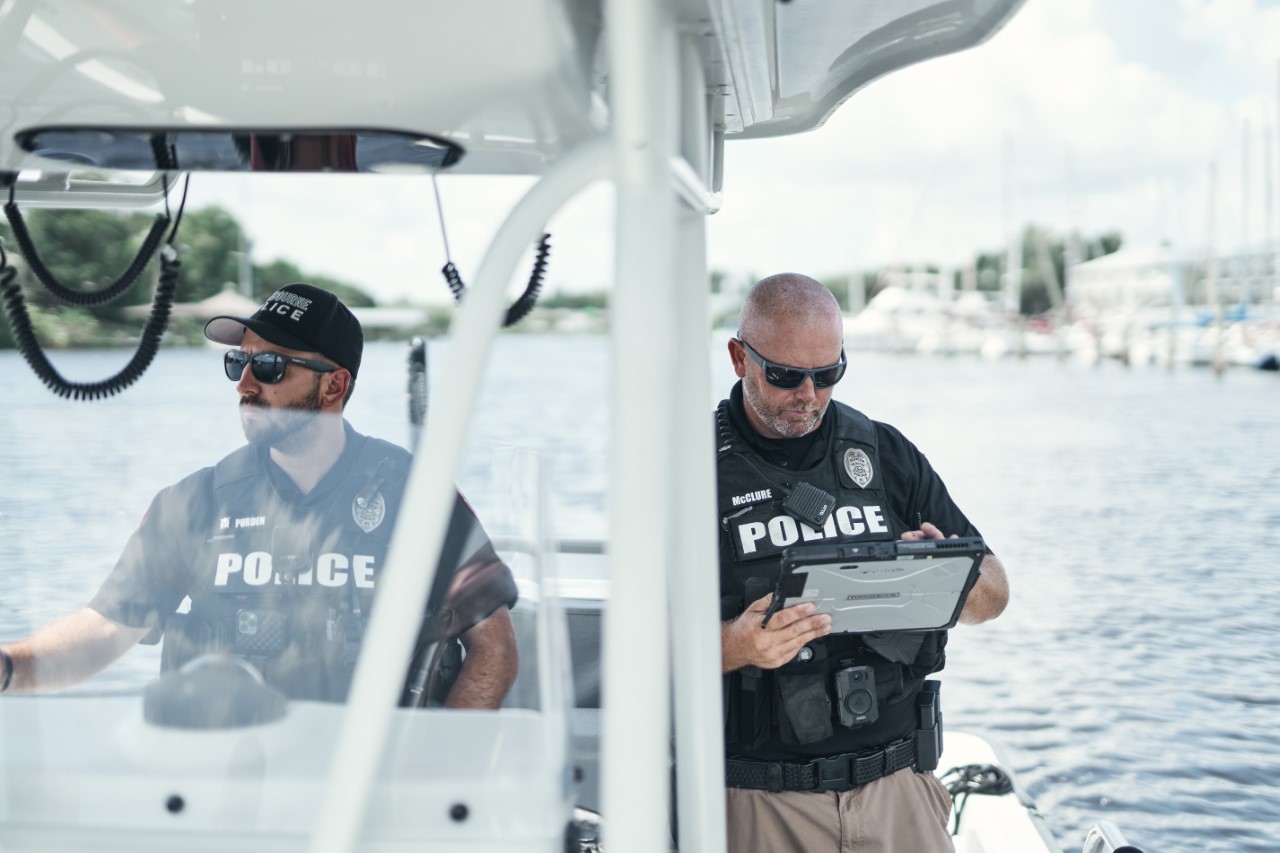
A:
287	585
771	713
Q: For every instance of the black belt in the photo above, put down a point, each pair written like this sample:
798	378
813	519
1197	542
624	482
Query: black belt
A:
834	773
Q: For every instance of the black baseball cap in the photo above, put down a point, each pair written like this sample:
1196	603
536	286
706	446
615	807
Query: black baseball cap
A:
302	317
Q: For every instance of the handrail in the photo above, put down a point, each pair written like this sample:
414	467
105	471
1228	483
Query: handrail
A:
429	495
687	184
1105	837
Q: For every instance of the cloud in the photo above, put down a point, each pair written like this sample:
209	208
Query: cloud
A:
1244	33
1050	121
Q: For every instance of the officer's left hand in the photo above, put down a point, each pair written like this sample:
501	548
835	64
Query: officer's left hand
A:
928	530
989	596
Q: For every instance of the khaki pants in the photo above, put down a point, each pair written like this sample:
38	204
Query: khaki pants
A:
903	813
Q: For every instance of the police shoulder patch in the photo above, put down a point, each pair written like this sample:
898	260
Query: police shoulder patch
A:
858	466
371	514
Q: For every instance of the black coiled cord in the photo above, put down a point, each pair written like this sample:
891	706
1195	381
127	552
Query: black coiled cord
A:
74	297
524	304
724	434
968	779
15	310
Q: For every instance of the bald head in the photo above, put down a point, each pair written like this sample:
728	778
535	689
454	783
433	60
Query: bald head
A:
787	300
790	320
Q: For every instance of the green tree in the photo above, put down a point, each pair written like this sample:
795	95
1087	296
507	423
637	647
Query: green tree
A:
209	244
1104	244
269	278
86	250
1044	263
597	300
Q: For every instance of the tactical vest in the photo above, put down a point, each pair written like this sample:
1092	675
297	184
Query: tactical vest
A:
791	711
288	586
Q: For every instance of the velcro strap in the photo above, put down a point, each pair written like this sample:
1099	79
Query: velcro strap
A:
834	773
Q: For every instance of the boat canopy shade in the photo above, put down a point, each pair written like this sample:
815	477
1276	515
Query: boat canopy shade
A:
791	64
515	83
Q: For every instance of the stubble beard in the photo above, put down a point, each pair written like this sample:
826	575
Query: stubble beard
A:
285	428
771	416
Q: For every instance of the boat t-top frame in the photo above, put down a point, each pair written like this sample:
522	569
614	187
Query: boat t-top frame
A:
641	95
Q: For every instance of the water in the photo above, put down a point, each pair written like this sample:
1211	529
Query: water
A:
1133	677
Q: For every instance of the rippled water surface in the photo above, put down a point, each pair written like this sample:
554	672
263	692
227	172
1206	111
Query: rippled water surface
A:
1135	676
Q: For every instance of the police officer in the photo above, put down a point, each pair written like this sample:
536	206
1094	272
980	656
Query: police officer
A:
273	554
800	774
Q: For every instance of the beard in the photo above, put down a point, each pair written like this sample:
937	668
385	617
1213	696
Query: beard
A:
284	427
781	418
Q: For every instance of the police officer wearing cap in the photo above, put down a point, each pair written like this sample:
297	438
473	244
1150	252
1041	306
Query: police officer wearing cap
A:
803	773
273	554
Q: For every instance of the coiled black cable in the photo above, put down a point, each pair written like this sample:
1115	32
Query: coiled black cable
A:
724	433
24	337
968	779
524	304
15	310
74	297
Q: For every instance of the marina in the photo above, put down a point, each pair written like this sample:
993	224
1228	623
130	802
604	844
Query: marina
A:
1138	307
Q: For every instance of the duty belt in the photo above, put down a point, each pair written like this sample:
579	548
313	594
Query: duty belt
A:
833	773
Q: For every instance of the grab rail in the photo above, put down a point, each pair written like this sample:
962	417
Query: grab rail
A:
1106	837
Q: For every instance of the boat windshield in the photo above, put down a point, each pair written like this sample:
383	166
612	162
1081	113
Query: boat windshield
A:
252	594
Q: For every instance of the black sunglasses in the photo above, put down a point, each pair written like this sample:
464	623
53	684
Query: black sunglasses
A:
789	378
268	367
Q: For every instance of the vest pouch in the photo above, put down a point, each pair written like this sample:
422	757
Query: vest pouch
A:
258	626
804	707
895	646
931	658
748	708
260	632
891	683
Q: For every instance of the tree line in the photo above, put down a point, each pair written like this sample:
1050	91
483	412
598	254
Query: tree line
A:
87	250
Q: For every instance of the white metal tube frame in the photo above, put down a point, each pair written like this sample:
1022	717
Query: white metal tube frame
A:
635	665
662	500
672	264
429	494
694	579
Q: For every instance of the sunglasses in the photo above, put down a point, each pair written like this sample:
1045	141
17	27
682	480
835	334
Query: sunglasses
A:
789	378
268	367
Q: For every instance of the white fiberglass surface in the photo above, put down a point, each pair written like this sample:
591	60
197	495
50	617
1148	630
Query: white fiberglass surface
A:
819	53
513	72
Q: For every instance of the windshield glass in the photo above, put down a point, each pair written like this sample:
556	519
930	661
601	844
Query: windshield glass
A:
238	586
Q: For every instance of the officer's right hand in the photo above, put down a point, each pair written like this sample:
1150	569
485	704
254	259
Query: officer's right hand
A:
743	642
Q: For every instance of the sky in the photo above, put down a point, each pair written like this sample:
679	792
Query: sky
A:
1079	115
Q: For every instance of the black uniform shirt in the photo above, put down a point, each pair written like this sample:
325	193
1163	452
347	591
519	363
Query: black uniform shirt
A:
242	536
916	493
903	492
